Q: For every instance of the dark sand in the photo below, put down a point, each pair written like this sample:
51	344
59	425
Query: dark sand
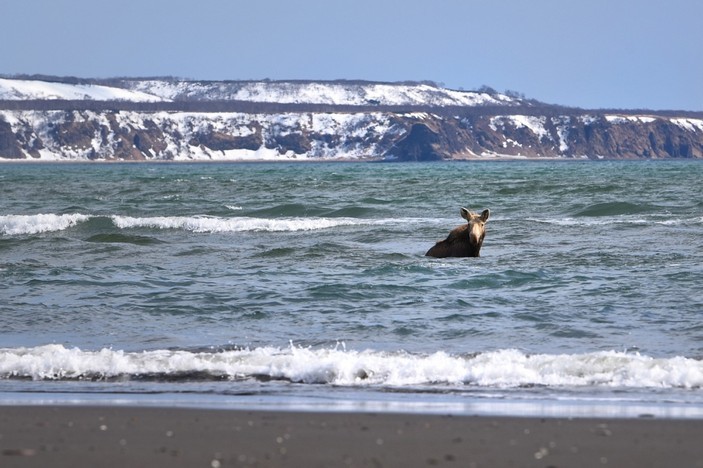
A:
113	436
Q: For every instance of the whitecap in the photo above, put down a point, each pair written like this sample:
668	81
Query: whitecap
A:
14	225
239	224
210	224
614	220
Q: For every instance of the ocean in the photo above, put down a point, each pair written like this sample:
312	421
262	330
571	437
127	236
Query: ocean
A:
305	285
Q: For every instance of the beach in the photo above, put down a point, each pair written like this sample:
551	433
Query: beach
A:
116	436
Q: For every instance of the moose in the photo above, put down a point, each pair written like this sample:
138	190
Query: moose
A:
464	240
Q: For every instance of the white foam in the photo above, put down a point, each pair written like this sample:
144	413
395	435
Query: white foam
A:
14	225
500	369
617	219
34	224
238	224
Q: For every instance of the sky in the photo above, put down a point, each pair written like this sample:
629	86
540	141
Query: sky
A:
628	54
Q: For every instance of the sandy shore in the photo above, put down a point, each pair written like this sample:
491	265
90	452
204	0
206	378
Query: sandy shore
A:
112	436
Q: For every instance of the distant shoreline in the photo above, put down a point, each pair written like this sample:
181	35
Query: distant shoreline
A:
478	159
305	160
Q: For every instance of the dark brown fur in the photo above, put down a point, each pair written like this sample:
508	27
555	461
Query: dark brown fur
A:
464	240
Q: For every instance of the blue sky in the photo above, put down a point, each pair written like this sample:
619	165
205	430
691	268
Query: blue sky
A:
586	53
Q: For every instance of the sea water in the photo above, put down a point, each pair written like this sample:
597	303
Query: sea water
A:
294	285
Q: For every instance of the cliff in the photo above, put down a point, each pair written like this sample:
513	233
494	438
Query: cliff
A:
179	120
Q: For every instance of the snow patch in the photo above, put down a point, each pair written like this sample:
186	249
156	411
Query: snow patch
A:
588	119
691	125
535	124
30	89
562	125
621	119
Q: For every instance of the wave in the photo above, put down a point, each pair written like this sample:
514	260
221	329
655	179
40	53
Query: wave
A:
13	225
239	224
615	209
619	220
123	239
341	367
16	225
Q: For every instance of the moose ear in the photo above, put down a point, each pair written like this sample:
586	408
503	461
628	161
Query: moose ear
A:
466	214
485	214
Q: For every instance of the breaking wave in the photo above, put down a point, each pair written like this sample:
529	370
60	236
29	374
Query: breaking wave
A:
499	369
619	220
13	225
239	224
16	225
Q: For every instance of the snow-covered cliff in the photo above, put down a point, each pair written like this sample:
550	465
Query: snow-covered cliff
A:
88	135
103	120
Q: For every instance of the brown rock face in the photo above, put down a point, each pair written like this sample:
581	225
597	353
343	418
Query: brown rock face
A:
394	134
9	147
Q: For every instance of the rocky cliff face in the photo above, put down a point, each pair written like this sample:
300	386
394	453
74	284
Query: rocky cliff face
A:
125	135
594	135
350	121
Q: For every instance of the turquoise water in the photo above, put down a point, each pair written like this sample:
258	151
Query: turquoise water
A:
309	280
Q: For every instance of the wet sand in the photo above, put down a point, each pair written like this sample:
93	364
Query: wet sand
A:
115	436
